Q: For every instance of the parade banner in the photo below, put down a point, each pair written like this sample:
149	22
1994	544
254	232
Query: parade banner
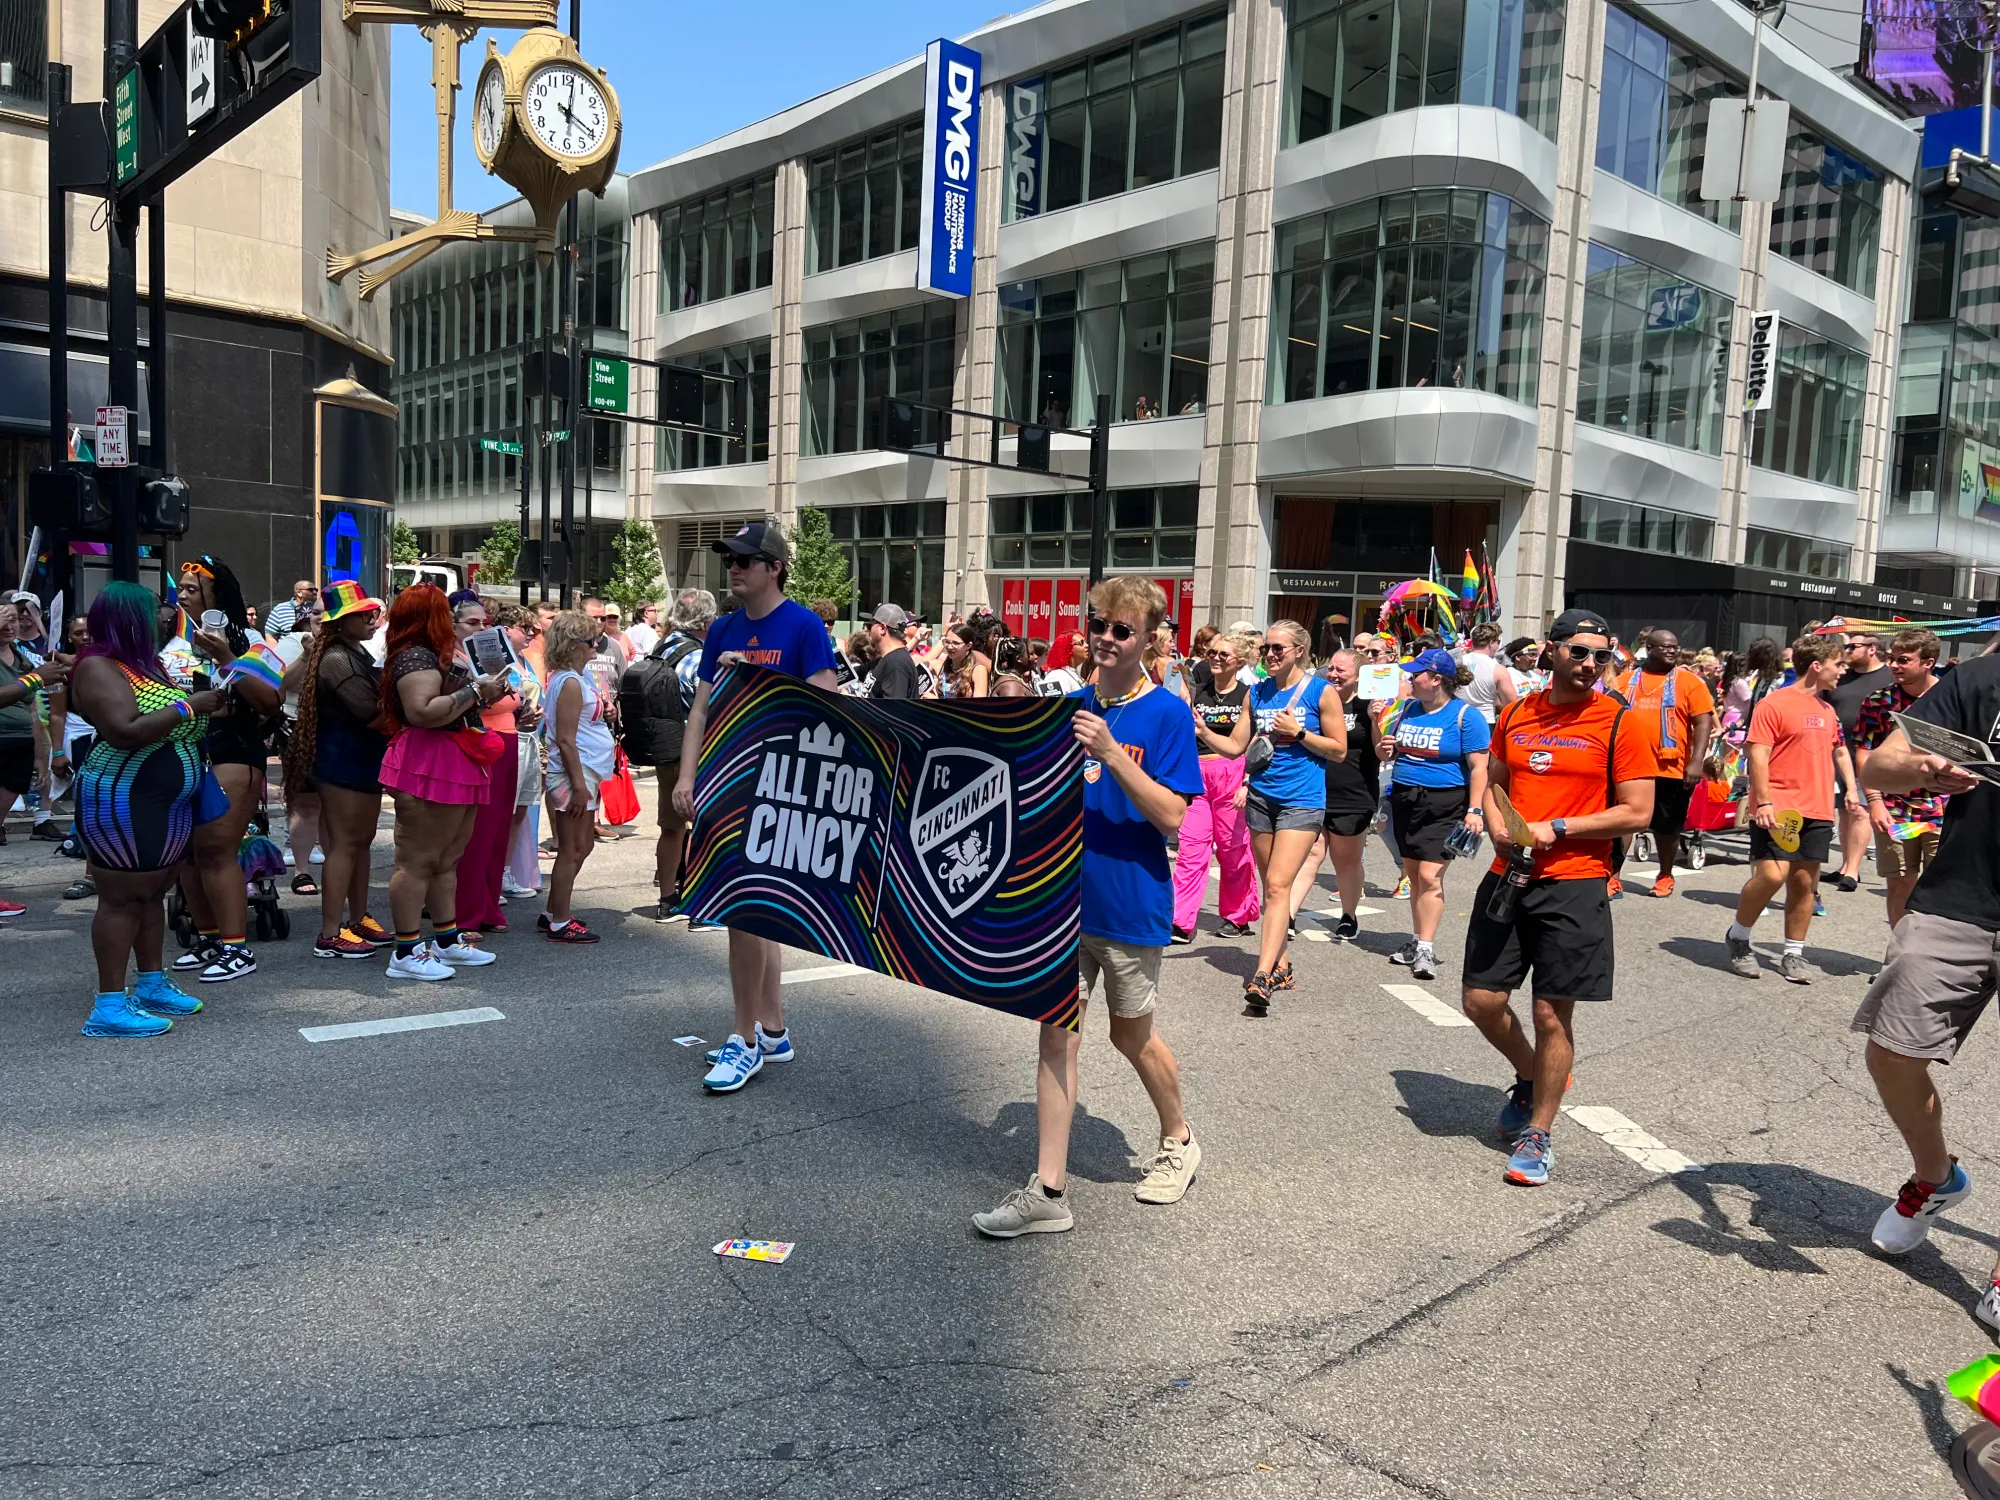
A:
936	842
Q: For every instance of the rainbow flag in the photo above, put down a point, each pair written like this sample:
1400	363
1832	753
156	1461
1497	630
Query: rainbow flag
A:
260	663
1468	580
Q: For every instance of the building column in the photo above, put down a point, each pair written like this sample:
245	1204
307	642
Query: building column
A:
974	385
1537	553
1878	419
788	291
1230	545
641	442
1732	512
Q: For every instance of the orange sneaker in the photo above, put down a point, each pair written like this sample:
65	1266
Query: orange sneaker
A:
1614	888
372	932
1664	886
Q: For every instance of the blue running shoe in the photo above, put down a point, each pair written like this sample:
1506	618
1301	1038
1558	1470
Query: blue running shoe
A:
1819	906
158	995
115	1015
1519	1106
1532	1158
778	1050
735	1065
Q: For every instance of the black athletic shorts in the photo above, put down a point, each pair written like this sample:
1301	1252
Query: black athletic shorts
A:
1671	796
17	765
1561	933
1424	817
1815	843
1351	819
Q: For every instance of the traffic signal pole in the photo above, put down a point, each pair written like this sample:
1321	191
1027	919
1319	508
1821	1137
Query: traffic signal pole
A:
121	50
1100	488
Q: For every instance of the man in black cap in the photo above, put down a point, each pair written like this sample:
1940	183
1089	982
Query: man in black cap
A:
783	635
895	674
1579	779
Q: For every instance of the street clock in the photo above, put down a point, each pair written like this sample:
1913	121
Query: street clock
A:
545	122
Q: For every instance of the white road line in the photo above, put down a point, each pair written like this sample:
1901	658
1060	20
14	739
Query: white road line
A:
1627	1139
830	971
1332	913
1427	1005
1314	935
350	1029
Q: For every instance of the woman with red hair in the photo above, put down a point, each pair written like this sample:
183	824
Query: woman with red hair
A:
436	769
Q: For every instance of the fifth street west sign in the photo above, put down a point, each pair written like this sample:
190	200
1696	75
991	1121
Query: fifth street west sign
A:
610	384
128	125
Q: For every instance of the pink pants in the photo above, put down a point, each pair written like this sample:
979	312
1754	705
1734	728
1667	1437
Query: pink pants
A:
1213	821
485	856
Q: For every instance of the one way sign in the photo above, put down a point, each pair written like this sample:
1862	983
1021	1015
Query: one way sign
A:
200	72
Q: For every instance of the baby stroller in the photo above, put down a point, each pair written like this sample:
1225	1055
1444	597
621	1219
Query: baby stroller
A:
263	865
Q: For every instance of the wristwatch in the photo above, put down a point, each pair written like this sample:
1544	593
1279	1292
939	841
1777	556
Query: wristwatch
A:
1560	827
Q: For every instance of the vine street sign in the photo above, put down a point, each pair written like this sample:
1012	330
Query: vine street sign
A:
610	384
500	445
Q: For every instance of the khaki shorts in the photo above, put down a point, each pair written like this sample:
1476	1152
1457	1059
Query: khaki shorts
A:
1131	975
1936	980
1894	856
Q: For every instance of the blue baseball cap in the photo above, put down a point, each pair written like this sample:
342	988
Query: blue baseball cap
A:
1434	660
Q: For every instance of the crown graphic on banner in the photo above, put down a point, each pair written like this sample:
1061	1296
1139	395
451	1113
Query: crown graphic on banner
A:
820	740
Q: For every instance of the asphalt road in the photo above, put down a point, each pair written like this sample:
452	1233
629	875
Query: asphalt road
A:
476	1260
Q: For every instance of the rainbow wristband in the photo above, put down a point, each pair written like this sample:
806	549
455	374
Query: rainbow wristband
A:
31	682
181	708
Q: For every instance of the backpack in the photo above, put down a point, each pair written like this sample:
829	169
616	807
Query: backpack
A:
652	715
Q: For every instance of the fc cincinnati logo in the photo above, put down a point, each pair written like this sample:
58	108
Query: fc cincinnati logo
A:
1540	760
1091	771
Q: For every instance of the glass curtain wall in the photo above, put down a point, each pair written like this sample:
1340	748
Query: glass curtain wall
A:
1641	528
1135	330
852	368
1786	552
695	450
1813	428
24	57
1128	118
1355	60
1948	370
865	198
717	245
1828	216
1434	288
1151	528
1655	353
895	553
1652	121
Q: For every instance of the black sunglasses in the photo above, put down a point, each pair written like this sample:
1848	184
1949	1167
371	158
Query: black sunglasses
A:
1118	630
1604	656
1269	646
737	560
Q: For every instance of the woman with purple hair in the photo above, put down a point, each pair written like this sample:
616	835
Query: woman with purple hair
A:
139	794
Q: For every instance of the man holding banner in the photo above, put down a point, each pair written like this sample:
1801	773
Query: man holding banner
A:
780	634
1140	772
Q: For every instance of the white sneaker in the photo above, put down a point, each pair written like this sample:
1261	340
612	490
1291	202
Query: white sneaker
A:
462	955
316	857
421	964
508	888
735	1065
1906	1223
1988	1311
290	859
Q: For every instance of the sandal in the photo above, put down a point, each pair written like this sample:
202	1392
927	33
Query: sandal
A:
304	885
1257	994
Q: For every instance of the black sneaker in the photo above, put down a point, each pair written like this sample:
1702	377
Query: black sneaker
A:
1182	936
1235	929
232	961
79	890
1291	932
48	832
205	952
1347	929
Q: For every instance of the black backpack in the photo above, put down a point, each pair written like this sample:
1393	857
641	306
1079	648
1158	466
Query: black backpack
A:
652	716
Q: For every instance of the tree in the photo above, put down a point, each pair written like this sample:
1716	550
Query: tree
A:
819	564
635	566
403	546
499	554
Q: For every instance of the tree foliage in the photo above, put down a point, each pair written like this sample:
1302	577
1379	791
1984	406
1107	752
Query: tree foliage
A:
635	566
819	563
499	554
403	546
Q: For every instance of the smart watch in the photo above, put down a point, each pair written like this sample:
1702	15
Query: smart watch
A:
1560	826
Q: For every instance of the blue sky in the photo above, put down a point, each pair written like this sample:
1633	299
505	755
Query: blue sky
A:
684	72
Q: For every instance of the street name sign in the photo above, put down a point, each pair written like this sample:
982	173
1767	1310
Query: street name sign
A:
500	445
610	384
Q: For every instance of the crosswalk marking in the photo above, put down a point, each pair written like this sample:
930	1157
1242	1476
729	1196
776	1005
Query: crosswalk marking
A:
1627	1139
351	1029
1427	1005
828	971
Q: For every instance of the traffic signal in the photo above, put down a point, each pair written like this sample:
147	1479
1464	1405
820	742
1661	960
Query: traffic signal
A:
163	506
67	500
682	396
229	21
899	426
1031	449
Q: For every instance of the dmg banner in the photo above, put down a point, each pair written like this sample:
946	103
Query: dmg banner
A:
936	842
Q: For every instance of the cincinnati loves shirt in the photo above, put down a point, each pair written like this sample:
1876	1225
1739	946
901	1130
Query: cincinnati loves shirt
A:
1562	761
1128	890
790	639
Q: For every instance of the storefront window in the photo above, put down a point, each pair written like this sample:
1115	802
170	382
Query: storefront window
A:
1784	552
1829	212
1434	288
895	553
1813	428
1652	122
1142	113
1655	353
1354	60
866	198
1136	331
852	368
692	450
1151	528
1641	528
717	245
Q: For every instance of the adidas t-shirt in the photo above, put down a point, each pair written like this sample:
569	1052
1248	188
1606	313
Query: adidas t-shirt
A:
790	639
1128	888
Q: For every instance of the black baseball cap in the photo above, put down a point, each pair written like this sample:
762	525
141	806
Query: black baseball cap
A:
759	539
1573	622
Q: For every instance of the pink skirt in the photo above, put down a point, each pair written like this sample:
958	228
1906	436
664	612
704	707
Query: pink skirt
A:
428	763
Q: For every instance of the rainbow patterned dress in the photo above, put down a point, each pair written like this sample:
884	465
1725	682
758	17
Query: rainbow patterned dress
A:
135	808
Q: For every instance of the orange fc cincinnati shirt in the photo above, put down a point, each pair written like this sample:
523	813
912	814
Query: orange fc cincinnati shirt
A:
1562	760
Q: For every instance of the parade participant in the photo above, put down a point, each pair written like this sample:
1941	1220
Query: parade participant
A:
1674	712
643	634
1795	746
1286	777
336	747
578	756
1907	828
287	618
781	635
436	768
895	671
1863	674
1437	786
483	865
1066	657
1200	673
1013	668
1579	777
1214	819
238	752
1353	797
140	793
1139	775
17	724
1379	651
968	669
72	732
1491	687
689	618
1523	654
522	876
1761	673
1938	976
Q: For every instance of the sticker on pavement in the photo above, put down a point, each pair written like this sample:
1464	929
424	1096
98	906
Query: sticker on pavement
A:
689	1041
774	1251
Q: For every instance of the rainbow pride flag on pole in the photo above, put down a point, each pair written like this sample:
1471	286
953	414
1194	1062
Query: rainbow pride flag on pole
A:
261	663
1469	580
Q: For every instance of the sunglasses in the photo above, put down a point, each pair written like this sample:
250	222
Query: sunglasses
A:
1118	630
744	562
1603	656
1273	649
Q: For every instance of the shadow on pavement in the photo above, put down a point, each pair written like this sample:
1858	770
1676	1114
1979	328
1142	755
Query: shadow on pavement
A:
1450	1107
1929	1398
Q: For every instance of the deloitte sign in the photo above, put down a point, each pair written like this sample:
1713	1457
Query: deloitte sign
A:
951	169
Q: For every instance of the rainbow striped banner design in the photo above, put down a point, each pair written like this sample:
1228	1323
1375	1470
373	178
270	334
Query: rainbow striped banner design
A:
936	842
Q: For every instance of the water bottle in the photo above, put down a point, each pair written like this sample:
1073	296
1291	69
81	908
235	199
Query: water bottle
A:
1513	881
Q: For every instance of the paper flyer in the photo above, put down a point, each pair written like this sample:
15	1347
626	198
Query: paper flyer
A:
774	1251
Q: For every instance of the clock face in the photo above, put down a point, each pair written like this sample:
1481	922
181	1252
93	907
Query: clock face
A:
488	112
567	110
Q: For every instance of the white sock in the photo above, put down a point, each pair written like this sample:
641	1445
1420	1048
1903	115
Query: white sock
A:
1797	949
43	815
1738	933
